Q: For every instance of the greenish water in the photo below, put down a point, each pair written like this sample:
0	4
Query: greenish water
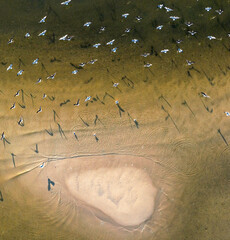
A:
179	138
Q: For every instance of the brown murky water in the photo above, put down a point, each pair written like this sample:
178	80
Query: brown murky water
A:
165	175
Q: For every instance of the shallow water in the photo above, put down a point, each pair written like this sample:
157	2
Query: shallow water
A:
165	176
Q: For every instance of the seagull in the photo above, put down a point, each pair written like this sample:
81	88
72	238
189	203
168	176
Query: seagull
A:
220	11
138	18
192	32
51	76
114	49
125	15
159	27
11	40
136	123
148	65
42	33
43	164
75	71
110	42
205	95
27	35
168	9
82	65
43	19
63	38
77	104
135	40
10	67
66	2
39	110
174	18
13	106
208	9
115	84
35	61
179	41
3	136
68	38
211	37
92	61
87	24
44	96
189	62
189	24
127	30
145	54
39	80
21	122
102	29
96	45
20	72
17	93
160	6
227	114
95	137
164	50
88	98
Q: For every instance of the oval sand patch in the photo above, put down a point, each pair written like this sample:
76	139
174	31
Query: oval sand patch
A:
124	194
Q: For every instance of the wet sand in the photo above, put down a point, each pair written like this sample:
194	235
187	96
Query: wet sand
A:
168	178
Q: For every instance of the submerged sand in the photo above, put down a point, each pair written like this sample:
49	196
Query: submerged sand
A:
124	194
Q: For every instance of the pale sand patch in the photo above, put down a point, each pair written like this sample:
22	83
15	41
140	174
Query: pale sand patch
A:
125	194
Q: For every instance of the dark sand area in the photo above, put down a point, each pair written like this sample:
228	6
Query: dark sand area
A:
155	166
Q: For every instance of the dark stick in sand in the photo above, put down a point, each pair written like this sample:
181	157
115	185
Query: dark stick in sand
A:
1	197
61	131
95	121
186	104
165	100
55	114
65	102
169	116
50	132
52	98
84	122
22	106
21	62
13	159
128	82
36	149
100	100
207	109
43	67
32	98
23	100
50	183
130	119
107	94
222	137
208	78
